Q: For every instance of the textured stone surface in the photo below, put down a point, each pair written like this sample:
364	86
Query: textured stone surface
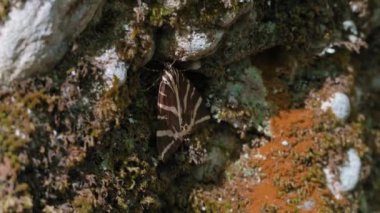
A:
174	4
240	101
190	44
349	174
339	104
36	36
113	67
199	30
89	147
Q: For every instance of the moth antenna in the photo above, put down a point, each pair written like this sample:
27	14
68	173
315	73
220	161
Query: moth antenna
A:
156	80
175	60
166	65
153	85
169	65
151	69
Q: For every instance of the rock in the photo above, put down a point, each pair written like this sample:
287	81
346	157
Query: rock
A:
137	47
190	41
190	44
215	161
307	205
349	175
339	104
113	67
37	35
223	145
327	50
174	4
375	83
231	16
240	101
243	39
350	26
285	143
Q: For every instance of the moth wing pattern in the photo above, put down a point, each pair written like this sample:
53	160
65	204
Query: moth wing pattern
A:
180	110
167	119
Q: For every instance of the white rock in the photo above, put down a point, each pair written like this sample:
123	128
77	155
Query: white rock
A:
327	50
307	205
113	67
349	175
354	7
36	35
353	38
188	44
196	45
285	143
174	4
349	25
339	104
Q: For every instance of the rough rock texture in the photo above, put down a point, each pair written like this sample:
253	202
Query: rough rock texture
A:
349	174
36	34
114	68
81	137
270	175
191	45
240	100
339	104
197	32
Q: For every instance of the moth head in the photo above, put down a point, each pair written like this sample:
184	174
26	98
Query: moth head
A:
184	127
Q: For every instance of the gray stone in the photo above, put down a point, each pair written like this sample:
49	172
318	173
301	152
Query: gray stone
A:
185	45
35	37
240	101
339	104
349	175
174	4
113	67
232	15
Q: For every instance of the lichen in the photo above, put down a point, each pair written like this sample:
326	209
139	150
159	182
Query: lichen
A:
56	136
244	106
4	9
69	144
159	15
16	133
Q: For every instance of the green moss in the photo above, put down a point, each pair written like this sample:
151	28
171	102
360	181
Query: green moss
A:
285	186
270	208
16	127
248	90
112	105
211	13
4	9
295	200
159	15
84	201
58	129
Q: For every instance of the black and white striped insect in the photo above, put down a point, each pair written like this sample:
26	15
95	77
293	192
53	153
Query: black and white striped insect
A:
180	111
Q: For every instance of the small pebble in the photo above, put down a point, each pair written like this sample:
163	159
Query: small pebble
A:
339	104
285	143
349	175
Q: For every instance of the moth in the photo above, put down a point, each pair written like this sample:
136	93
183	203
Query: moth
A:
180	111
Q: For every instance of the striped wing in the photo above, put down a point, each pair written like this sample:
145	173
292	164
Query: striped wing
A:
180	110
